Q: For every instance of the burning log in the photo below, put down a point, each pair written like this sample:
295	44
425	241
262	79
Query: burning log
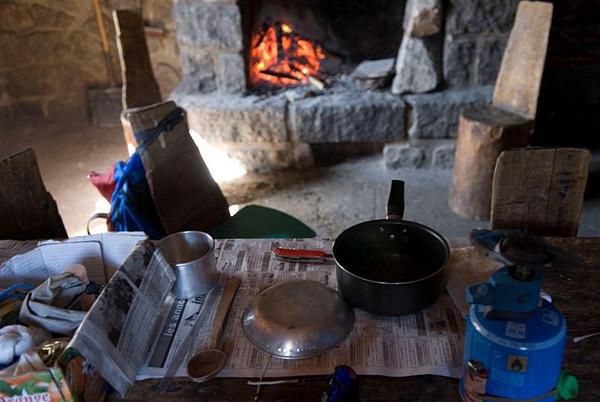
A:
312	80
280	75
282	57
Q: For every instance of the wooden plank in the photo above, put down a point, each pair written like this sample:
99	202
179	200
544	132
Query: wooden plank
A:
185	194
27	209
139	85
483	133
518	83
540	190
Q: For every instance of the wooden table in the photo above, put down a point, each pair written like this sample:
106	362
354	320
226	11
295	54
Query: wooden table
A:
574	290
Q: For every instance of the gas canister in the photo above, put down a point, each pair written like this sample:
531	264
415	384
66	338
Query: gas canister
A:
514	340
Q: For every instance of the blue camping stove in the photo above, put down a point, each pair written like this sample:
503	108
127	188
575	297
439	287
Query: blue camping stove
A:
514	339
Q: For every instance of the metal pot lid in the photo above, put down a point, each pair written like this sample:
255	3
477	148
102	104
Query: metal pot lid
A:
297	319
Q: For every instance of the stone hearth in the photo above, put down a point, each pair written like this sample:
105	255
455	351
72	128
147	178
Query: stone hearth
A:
274	130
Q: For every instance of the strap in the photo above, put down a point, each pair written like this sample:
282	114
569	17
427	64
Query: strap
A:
96	215
147	136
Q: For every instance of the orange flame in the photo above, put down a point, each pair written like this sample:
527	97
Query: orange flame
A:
281	57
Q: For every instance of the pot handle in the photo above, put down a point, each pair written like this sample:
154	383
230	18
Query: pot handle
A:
395	205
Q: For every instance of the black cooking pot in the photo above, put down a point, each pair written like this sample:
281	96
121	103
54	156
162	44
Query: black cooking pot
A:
391	266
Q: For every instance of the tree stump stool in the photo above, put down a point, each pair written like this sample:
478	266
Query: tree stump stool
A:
483	134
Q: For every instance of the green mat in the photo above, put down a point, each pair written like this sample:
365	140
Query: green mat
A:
257	222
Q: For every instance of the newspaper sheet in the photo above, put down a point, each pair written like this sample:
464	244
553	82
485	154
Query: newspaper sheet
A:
100	254
118	331
429	342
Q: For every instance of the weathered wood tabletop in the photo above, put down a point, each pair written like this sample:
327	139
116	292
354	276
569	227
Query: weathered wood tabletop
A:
574	290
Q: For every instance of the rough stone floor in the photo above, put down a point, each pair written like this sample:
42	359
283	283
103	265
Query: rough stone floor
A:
329	198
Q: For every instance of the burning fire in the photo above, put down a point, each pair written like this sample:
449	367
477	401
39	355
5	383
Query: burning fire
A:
281	57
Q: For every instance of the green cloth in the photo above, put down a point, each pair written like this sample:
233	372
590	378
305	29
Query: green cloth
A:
257	222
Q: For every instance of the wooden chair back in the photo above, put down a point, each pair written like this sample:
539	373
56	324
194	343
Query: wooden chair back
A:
27	209
518	83
540	190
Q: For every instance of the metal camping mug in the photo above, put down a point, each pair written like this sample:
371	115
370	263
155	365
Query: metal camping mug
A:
191	254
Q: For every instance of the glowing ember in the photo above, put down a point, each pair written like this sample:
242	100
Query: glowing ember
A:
281	57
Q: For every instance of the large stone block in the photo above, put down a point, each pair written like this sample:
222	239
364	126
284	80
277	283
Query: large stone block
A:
49	47
443	157
48	17
480	16
231	78
271	157
403	156
419	65
422	17
36	80
373	74
198	69
438	153
436	115
213	25
15	16
347	116
489	56
459	61
236	119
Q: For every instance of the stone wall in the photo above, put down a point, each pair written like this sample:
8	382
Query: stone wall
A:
50	53
209	34
475	37
417	122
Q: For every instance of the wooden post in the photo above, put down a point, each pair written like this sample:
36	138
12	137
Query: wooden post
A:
483	135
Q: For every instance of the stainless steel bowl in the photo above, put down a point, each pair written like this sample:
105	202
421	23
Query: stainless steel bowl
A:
297	319
191	254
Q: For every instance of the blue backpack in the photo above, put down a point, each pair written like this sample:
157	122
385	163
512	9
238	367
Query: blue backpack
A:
132	207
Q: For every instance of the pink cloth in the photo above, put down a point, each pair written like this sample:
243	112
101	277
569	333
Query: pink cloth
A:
104	182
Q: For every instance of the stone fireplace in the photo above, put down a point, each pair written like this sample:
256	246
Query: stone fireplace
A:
270	80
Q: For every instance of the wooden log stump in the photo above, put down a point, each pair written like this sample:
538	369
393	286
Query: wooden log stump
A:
540	190
483	134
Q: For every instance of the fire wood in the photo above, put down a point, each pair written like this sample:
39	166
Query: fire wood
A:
279	75
279	35
312	80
